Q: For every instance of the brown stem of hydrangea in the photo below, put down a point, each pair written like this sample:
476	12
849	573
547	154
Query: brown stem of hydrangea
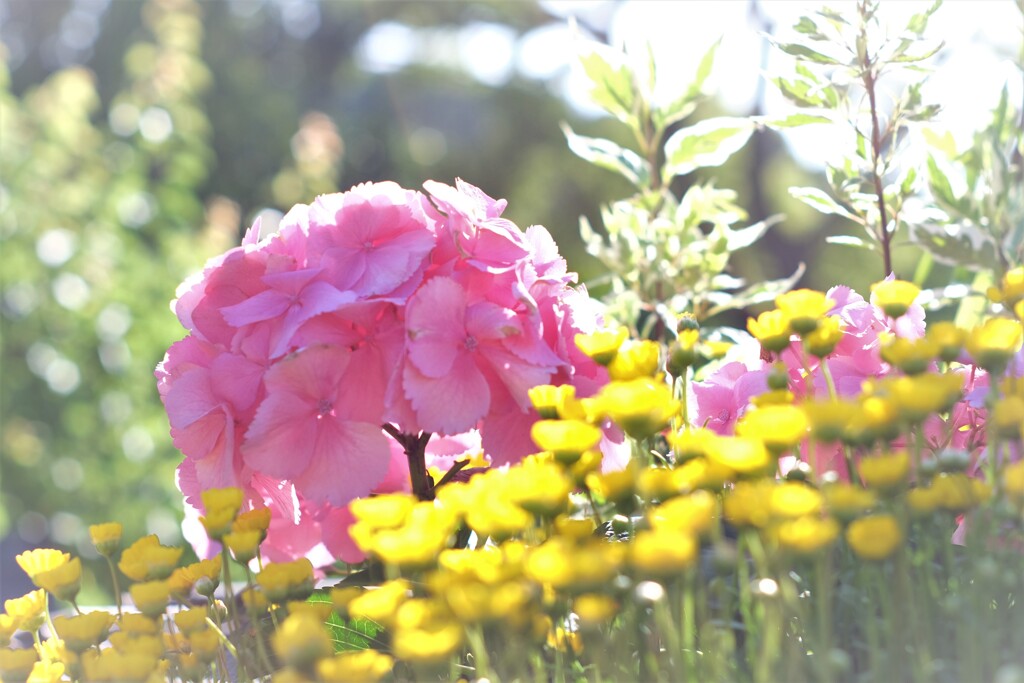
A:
415	447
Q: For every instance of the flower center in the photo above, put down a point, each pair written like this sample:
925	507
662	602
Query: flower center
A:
471	343
324	407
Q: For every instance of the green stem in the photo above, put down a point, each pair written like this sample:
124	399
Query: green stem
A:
117	587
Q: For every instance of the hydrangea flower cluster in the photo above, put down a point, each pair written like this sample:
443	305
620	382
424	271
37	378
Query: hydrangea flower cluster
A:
376	306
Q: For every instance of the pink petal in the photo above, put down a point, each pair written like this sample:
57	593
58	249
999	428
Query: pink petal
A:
435	324
263	306
450	404
350	459
283	435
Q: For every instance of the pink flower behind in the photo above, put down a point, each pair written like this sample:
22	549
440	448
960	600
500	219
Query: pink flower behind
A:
314	430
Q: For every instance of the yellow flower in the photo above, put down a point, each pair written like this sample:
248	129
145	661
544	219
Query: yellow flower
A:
138	624
807	535
912	356
1013	481
992	344
885	472
1007	416
63	581
218	521
499	520
151	597
701	473
805	309
229	498
301	640
662	553
958	492
693	514
257	519
383	512
922	501
635	359
425	632
823	339
874	537
255	601
111	665
16	665
1011	288
616	486
320	610
287	580
829	418
380	604
656	483
540	487
743	455
948	339
353	667
152	646
564	563
564	640
106	537
8	626
772	329
205	644
341	597
602	346
566	439
203	575
641	407
918	397
876	418
779	427
40	560
416	544
690	443
683	352
747	504
847	501
190	620
595	609
794	499
243	544
29	610
894	296
46	672
554	402
147	560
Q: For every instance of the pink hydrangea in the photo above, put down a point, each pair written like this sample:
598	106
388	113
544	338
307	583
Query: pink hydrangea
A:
377	306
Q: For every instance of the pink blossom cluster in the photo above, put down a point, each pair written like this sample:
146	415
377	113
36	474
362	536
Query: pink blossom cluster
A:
379	305
726	395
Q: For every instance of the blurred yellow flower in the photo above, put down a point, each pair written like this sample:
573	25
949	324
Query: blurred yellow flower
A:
387	511
46	672
301	640
229	498
380	604
634	360
662	553
690	443
8	626
807	535
682	353
874	537
554	402
701	473
151	597
771	329
106	537
993	343
823	339
138	624
595	609
948	339
147	560
655	483
779	427
566	439
1007	416
83	631
805	309
958	492
885	472
354	667
743	455
829	418
111	665
190	620
282	581
218	521
1013	481
244	545
205	644
40	560
425	632
63	581
16	665
912	356
848	501
602	346
747	504
792	499
894	296
694	514
641	407
29	610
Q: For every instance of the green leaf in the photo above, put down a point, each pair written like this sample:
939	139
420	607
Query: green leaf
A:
919	22
940	185
612	85
804	52
759	293
798	119
607	154
850	241
819	200
683	106
809	28
744	237
708	143
348	634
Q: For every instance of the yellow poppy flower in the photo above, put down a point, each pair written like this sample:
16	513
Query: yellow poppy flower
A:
895	297
874	537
